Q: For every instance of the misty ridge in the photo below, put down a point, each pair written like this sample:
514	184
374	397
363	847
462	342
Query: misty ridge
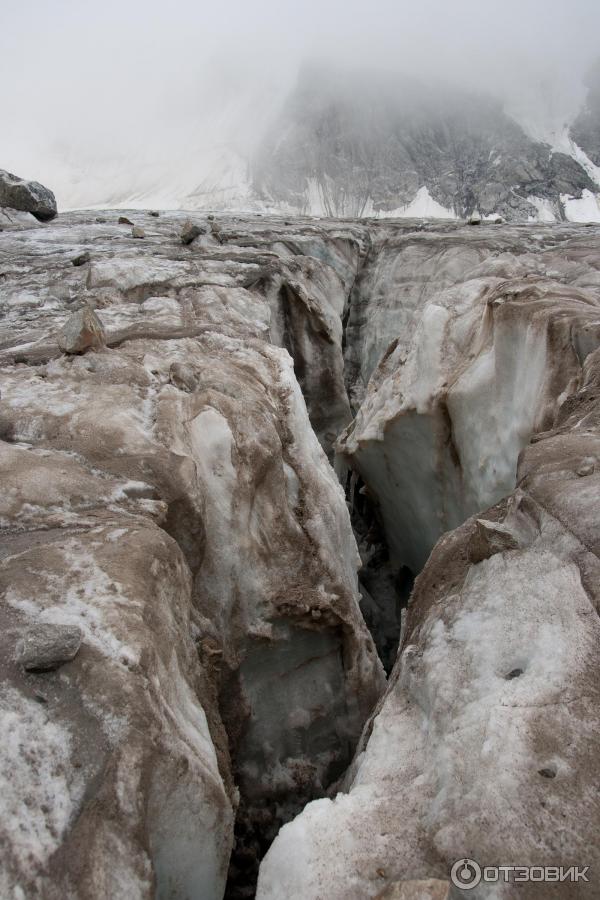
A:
368	143
320	109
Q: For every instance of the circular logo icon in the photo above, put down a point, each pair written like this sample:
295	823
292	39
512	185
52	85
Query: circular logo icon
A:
466	874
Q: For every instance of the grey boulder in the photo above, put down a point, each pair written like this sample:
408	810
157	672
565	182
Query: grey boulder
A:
81	259
45	647
27	196
81	331
190	232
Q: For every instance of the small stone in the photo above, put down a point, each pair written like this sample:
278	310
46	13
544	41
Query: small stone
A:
82	259
547	773
490	538
586	468
81	331
190	232
215	229
514	673
475	218
138	232
154	213
100	219
46	647
123	220
183	376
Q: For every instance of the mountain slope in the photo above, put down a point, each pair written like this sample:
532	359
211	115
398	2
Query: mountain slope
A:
585	130
341	143
355	143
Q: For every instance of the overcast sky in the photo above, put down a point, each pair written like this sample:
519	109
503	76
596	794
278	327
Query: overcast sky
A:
112	76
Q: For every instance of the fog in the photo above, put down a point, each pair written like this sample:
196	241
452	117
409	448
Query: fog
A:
127	90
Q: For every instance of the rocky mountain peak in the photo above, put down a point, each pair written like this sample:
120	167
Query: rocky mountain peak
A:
361	143
585	130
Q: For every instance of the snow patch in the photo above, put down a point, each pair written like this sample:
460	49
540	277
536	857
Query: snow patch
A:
583	209
545	210
38	789
422	206
84	594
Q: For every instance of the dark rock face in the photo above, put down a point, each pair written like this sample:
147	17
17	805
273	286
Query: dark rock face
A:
585	130
364	146
27	196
